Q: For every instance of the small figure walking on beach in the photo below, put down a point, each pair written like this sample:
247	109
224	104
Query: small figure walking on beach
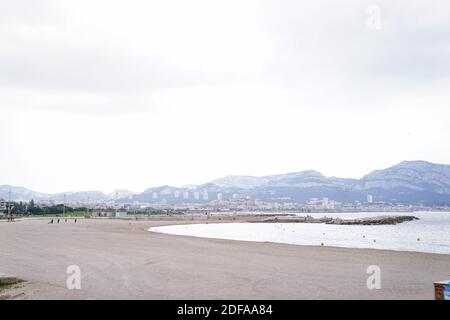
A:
58	220
75	220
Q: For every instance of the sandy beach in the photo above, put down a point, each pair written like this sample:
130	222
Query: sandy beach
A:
120	259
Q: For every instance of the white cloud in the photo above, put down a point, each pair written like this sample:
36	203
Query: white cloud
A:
103	95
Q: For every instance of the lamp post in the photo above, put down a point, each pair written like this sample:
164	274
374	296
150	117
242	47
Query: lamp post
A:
10	206
87	206
9	203
64	205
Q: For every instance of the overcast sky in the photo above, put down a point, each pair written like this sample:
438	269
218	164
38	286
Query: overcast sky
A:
102	94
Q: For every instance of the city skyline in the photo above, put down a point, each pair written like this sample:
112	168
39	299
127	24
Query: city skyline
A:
409	182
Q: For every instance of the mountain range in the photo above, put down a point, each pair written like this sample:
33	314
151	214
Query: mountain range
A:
409	182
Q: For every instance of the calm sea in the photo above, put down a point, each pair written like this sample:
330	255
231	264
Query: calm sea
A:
429	234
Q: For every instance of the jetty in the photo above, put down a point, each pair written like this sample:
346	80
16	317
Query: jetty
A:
381	220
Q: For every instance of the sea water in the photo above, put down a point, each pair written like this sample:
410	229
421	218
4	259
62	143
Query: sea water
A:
431	233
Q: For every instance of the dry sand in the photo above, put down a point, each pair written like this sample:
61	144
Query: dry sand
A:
121	260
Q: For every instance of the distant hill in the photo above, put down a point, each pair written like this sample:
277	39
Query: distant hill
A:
20	193
23	194
409	181
406	182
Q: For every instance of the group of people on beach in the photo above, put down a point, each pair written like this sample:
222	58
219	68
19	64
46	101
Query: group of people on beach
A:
11	218
58	220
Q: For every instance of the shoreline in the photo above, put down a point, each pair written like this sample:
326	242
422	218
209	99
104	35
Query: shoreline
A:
283	243
120	259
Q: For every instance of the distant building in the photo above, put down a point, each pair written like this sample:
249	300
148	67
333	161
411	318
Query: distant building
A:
220	196
155	195
121	214
332	204
3	207
111	213
369	198
186	195
108	214
205	195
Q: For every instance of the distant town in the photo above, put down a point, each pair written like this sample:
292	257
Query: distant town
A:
405	187
236	204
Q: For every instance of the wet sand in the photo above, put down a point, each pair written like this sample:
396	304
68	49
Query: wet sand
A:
120	259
